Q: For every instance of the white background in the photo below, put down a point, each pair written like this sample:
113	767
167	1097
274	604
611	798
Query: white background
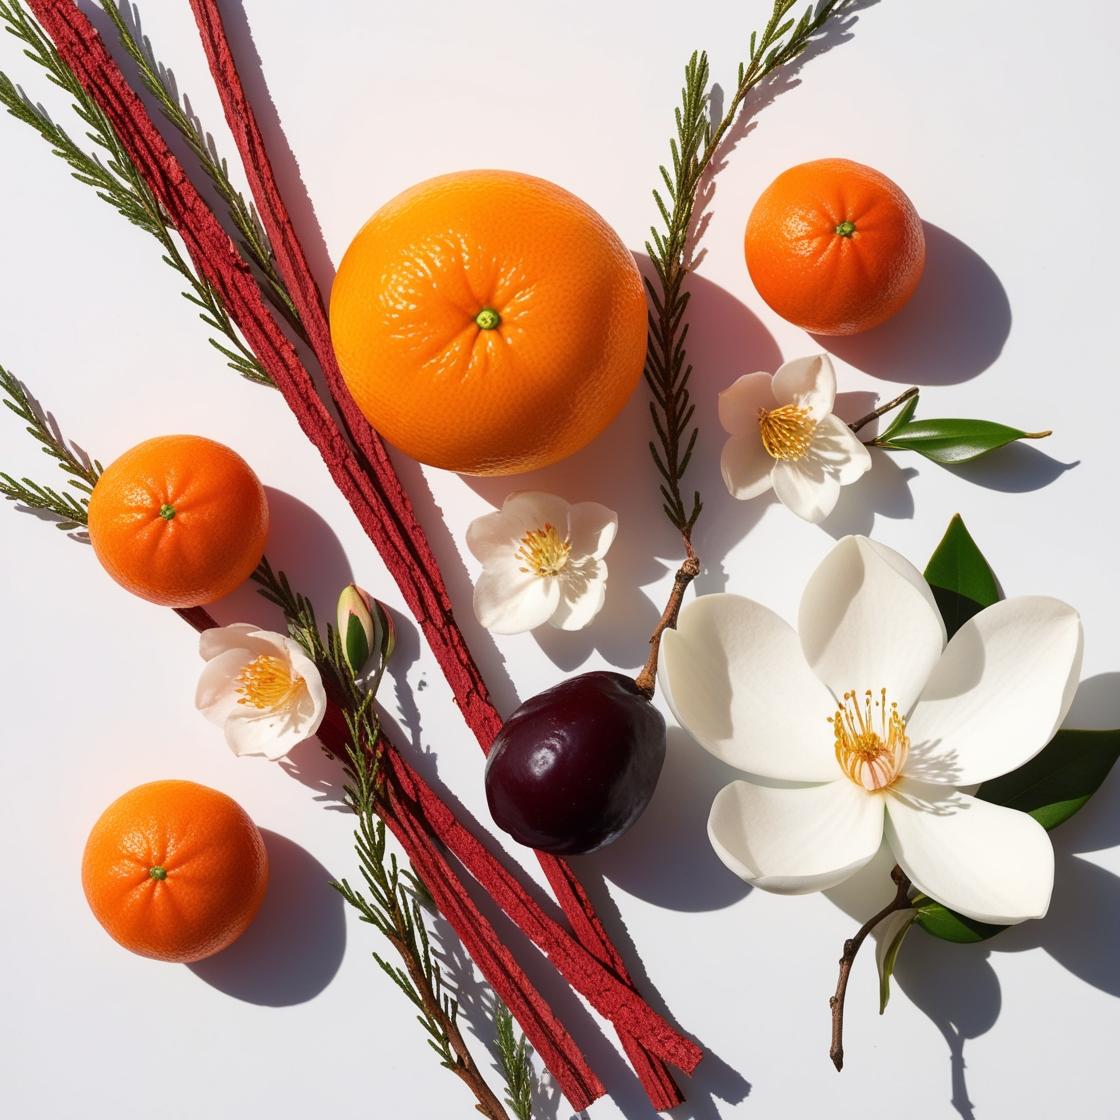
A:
996	124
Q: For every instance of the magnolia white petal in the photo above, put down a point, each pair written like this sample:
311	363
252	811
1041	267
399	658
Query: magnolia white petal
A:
533	509
837	448
798	839
269	733
985	861
239	635
806	487
740	402
864	624
746	465
999	692
312	704
583	590
912	576
216	696
591	530
808	383
735	678
509	601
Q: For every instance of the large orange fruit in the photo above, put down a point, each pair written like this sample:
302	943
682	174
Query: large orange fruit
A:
179	520
835	246
488	322
175	871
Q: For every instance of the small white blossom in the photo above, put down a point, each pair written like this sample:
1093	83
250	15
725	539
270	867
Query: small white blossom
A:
542	561
784	436
261	688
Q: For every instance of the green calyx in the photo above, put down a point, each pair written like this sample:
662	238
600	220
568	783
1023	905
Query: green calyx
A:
846	229
158	873
166	511
487	319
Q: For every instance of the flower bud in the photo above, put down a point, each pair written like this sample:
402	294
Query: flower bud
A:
365	628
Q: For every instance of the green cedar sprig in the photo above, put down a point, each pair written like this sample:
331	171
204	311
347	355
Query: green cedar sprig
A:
112	175
693	148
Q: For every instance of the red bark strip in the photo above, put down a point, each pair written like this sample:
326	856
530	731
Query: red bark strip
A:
480	714
217	259
495	962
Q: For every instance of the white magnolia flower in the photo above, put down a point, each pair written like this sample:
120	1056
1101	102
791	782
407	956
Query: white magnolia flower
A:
783	435
542	561
261	687
879	723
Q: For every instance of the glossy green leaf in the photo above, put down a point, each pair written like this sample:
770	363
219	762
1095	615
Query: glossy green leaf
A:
954	441
950	926
892	933
903	416
1058	781
962	580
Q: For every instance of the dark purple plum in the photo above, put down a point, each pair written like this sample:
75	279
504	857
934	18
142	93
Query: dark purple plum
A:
574	767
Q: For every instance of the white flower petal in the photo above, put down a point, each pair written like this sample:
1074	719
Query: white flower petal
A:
740	402
239	635
270	733
533	509
591	530
746	466
735	678
808	383
985	861
493	537
806	487
795	840
216	695
509	601
999	692
837	448
865	624
583	589
313	702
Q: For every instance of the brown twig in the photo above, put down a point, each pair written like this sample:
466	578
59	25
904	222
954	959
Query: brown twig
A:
883	409
900	901
646	680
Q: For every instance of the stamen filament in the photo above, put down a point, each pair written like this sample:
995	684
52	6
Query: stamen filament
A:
267	682
787	432
870	750
544	553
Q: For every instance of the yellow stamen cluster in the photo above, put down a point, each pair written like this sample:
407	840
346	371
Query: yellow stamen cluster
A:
543	552
786	432
267	682
870	750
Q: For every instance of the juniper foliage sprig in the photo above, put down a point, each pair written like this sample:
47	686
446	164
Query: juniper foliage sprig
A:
692	149
69	510
513	1057
112	175
160	82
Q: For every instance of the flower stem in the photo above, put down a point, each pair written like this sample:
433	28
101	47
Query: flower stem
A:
900	901
646	680
883	409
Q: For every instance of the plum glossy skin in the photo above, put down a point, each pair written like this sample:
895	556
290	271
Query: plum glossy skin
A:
574	767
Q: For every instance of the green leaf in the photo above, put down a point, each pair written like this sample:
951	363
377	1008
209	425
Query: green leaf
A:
1058	781
962	580
951	926
954	441
903	416
356	644
891	936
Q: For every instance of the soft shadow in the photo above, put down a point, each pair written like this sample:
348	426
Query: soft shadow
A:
1016	469
295	945
1096	705
302	545
884	491
952	329
666	857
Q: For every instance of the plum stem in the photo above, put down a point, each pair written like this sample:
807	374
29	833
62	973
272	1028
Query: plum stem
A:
646	680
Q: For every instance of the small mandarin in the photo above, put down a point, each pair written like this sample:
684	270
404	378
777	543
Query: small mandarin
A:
175	871
179	520
834	247
489	322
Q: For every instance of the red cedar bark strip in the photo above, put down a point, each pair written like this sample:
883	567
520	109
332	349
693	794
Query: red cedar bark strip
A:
293	267
494	960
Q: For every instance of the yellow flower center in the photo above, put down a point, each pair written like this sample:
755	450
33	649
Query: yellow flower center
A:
871	746
267	682
543	552
786	432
